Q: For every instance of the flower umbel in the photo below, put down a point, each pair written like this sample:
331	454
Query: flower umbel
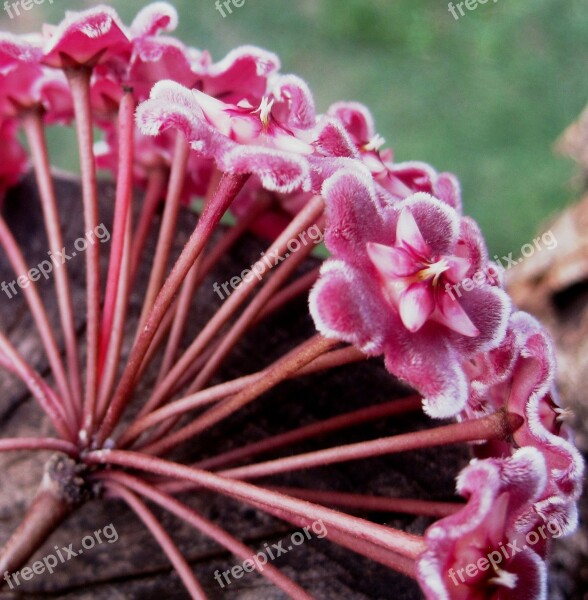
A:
242	138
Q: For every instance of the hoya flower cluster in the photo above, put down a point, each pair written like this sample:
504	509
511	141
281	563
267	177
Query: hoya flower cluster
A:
247	138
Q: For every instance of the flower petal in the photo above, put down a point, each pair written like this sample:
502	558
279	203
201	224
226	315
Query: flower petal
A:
391	262
416	305
408	233
452	315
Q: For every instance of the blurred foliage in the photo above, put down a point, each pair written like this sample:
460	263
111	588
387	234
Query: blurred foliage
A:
484	96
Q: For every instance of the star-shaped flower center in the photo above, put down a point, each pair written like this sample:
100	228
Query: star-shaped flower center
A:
413	279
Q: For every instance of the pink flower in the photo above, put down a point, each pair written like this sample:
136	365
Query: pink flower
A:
242	75
85	38
414	279
384	290
526	386
357	138
156	57
267	140
26	84
485	550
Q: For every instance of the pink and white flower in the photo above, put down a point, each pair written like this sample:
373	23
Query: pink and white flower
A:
525	385
384	290
267	140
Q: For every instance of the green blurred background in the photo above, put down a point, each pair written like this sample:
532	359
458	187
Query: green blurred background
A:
484	96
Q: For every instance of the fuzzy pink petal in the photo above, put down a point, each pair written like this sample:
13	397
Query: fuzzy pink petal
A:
417	176
15	49
298	111
157	59
353	216
155	17
437	224
441	382
479	528
447	188
472	247
489	309
278	171
92	35
242	74
332	139
342	306
356	119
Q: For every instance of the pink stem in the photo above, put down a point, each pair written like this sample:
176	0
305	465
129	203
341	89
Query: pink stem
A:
383	537
411	506
309	214
334	359
37	309
117	326
496	426
79	82
230	237
209	529
163	539
229	187
122	212
51	444
194	279
245	320
352	419
179	320
168	226
160	336
231	337
35	133
153	195
47	401
392	560
278	372
223	390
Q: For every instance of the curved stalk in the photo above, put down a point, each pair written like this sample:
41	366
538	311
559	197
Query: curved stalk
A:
209	529
122	213
229	187
321	428
35	133
307	216
402	543
497	426
156	181
41	320
164	540
275	374
171	211
79	82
